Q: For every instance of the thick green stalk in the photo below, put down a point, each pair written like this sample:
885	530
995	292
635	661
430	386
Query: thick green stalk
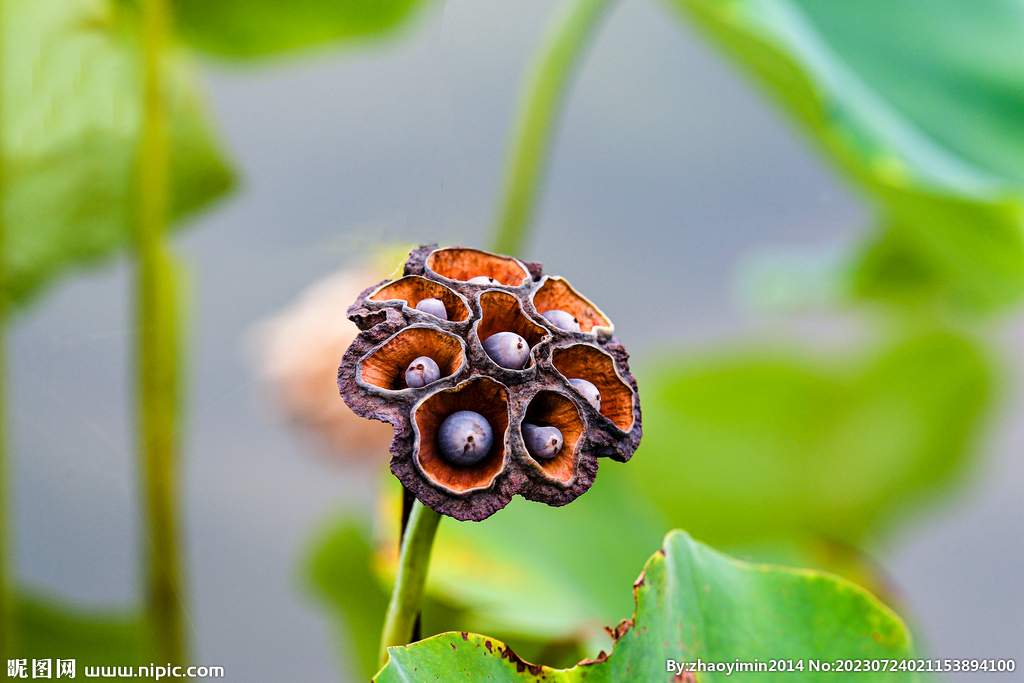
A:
539	105
413	562
5	558
158	350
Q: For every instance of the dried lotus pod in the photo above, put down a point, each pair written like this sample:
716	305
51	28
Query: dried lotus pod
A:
485	294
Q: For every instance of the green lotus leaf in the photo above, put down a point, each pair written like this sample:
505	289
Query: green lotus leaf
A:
779	446
255	28
71	120
920	102
694	604
340	571
47	628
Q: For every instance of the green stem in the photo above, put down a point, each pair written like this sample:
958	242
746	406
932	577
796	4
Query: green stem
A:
158	349
540	103
413	563
5	558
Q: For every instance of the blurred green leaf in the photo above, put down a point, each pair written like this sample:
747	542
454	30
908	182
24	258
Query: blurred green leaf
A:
562	573
749	447
240	28
71	120
693	603
339	572
46	628
921	102
537	572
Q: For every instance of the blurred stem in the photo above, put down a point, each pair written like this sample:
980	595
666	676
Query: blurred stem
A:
540	103
157	349
413	562
5	558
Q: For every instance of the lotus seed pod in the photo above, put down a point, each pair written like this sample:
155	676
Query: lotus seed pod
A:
434	307
465	438
508	350
542	442
589	391
422	372
553	400
563	320
482	280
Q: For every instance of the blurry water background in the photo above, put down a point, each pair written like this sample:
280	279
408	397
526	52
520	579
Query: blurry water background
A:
669	171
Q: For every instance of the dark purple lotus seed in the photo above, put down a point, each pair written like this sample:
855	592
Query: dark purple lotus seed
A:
542	442
422	372
507	349
563	320
589	392
434	307
482	280
464	438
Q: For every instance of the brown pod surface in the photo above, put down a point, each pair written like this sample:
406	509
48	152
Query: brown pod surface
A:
513	299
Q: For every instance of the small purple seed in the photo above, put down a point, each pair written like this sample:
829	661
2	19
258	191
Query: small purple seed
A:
434	307
464	438
542	442
562	320
482	280
507	349
589	391
422	372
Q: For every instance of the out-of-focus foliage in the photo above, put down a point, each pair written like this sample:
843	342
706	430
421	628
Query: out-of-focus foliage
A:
72	113
693	603
340	572
757	445
921	103
71	120
48	629
549	572
251	28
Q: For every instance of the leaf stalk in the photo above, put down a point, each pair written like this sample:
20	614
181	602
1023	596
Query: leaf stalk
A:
540	103
5	556
157	350
413	563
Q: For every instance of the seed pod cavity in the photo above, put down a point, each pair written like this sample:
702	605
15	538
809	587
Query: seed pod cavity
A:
556	294
385	367
462	264
502	313
414	290
481	396
587	362
552	409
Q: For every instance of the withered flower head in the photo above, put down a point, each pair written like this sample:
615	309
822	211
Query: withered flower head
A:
501	410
